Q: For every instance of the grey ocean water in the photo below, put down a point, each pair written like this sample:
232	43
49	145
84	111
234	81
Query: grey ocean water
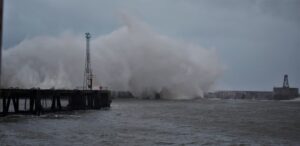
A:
161	122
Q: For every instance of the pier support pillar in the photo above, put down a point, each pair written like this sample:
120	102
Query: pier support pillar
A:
7	104
56	104
3	105
16	104
38	105
31	104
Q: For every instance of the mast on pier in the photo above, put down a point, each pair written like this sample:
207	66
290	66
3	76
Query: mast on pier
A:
88	75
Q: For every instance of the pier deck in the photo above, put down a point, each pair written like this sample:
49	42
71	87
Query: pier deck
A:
39	101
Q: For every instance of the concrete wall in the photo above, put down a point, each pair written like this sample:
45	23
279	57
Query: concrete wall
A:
285	93
276	94
260	95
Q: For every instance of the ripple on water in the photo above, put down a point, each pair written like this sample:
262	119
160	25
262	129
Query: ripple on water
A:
146	122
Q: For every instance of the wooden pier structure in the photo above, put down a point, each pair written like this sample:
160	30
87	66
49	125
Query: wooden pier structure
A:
39	101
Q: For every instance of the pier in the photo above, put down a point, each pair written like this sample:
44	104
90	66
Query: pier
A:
40	101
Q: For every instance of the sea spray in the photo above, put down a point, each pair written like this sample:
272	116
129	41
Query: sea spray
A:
133	58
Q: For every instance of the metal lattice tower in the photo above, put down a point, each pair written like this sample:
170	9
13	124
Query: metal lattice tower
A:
88	75
286	82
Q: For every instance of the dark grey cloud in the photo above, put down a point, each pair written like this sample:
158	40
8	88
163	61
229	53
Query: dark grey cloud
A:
258	40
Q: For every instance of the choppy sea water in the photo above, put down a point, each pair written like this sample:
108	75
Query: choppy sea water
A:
161	122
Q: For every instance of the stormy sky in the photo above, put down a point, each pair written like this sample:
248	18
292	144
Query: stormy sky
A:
258	41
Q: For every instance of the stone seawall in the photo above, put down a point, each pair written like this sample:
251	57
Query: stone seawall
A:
259	95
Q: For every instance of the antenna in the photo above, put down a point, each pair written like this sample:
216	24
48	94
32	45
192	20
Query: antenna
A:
285	81
88	75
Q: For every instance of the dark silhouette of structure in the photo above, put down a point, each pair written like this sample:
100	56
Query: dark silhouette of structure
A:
285	92
1	25
285	82
39	101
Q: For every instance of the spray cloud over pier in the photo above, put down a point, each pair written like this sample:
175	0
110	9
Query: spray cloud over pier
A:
133	58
